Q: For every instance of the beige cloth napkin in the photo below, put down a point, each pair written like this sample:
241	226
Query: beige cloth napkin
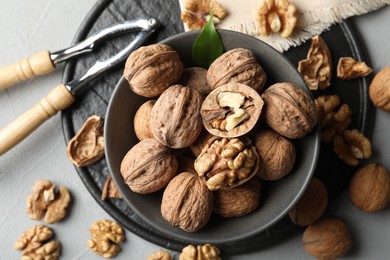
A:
314	16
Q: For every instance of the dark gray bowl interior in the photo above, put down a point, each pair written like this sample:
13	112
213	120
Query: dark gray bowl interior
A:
278	197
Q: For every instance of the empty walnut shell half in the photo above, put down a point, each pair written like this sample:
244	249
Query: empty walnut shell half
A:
227	163
148	166
87	146
175	118
187	203
237	65
289	110
152	69
231	110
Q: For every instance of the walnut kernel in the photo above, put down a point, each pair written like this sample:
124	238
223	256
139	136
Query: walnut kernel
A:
349	68
141	120
380	89
196	13
105	237
87	146
159	255
369	188
200	252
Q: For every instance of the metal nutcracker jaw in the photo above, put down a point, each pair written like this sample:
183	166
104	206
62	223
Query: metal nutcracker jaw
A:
91	42
147	28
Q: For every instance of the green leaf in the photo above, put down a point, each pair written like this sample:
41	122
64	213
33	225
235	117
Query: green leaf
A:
208	45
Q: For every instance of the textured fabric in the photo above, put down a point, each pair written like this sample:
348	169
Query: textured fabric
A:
314	16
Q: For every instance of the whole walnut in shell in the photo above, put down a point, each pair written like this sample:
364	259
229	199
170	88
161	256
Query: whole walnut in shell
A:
231	110
327	239
187	203
142	120
238	201
237	65
195	78
312	205
380	89
289	110
175	118
277	155
369	188
148	166
151	69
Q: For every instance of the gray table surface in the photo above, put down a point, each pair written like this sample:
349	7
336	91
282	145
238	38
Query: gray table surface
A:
27	27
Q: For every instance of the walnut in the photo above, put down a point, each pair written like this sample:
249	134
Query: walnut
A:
380	89
35	244
196	13
349	68
277	155
316	69
238	201
237	66
148	166
312	205
277	16
44	200
289	110
184	124
105	237
352	146
334	119
227	163
327	239
187	203
110	190
231	110
142	120
151	69
195	78
87	146
369	188
159	255
200	252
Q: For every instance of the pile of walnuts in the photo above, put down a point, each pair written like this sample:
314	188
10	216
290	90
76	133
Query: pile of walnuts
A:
238	130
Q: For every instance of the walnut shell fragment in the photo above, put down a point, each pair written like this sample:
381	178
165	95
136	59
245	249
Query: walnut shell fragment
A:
148	166
349	68
35	243
110	190
200	252
277	155
227	163
327	239
106	235
352	146
196	13
316	69
151	69
289	110
237	66
277	16
141	120
380	89
369	188
184	124
238	201
195	78
187	203
87	146
312	205
231	110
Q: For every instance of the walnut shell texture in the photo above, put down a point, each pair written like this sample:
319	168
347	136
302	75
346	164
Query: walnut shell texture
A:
142	120
277	154
312	205
237	65
238	201
151	69
289	110
369	188
187	203
380	89
148	166
196	78
327	239
175	118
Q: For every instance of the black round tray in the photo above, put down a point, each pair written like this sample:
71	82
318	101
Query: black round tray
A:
341	39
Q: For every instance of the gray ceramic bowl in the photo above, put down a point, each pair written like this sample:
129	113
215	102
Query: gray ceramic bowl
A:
278	197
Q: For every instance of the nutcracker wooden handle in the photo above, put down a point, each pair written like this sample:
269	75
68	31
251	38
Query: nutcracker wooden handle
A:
57	100
38	64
